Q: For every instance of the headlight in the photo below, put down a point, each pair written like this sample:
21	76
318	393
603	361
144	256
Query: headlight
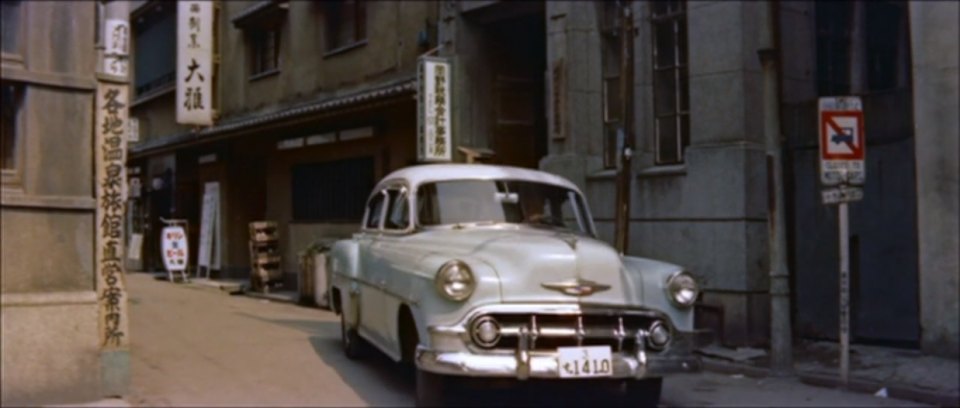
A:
682	289
455	281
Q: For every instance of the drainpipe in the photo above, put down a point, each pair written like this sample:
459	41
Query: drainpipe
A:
622	211
780	329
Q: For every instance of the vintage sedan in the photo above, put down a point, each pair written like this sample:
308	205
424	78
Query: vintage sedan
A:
470	270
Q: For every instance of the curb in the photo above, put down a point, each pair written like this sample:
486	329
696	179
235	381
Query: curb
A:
833	381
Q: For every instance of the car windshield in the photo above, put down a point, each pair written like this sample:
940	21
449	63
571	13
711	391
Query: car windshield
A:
502	201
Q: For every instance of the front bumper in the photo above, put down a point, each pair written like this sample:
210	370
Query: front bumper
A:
544	365
451	351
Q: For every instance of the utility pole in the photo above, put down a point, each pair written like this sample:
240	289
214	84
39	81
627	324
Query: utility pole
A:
626	135
781	359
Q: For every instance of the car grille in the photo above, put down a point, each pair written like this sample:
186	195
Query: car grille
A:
550	331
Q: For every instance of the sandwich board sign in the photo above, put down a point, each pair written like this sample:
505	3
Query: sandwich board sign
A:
842	142
175	250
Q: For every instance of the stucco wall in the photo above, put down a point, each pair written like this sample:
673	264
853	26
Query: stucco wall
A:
933	32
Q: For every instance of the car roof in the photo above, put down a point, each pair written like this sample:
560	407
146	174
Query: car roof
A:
425	173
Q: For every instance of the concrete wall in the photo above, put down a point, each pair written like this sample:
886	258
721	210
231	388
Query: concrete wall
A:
48	306
708	214
933	33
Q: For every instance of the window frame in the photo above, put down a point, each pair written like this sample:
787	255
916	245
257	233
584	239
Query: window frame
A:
331	31
160	85
12	177
404	191
16	57
366	211
678	19
254	47
611	64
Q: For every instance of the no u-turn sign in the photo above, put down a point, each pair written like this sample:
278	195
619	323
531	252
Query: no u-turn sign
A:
842	142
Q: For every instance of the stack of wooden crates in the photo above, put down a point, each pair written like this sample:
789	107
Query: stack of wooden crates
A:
264	256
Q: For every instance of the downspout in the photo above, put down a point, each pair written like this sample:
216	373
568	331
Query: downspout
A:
780	328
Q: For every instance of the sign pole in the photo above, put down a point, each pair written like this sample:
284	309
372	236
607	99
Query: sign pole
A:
844	294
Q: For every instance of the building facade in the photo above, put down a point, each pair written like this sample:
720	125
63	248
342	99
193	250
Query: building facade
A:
50	297
699	180
315	104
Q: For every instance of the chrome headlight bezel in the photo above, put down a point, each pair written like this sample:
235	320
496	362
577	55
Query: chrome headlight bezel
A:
450	275
682	289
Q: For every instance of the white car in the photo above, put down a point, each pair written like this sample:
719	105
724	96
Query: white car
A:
470	270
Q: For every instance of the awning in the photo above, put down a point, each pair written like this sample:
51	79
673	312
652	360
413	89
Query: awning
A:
327	104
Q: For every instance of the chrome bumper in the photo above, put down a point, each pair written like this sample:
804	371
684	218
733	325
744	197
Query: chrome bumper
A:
544	365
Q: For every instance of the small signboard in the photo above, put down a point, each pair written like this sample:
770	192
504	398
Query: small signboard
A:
136	246
209	255
842	142
842	194
433	104
175	250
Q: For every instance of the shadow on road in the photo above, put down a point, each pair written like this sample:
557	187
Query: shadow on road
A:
382	382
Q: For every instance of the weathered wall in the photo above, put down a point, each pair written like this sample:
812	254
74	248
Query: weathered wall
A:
306	69
709	214
48	306
933	33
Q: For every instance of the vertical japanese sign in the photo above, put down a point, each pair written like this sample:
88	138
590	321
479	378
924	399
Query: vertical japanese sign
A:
110	153
116	46
433	105
194	62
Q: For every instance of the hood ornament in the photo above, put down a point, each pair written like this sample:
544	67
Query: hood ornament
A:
576	287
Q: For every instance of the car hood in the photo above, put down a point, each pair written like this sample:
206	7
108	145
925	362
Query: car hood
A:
542	265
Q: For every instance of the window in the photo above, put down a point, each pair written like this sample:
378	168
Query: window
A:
398	214
265	50
375	210
834	21
11	26
12	101
334	191
885	34
155	48
612	104
671	94
346	23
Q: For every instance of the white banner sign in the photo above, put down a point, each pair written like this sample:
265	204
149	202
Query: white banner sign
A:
433	103
175	250
194	62
116	47
209	255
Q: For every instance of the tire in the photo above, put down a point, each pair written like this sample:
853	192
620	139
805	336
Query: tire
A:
350	340
431	389
643	393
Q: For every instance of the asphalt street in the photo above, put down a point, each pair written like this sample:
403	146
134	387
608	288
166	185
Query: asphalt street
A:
198	347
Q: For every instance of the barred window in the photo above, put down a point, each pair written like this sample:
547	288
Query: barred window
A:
12	101
265	50
155	48
612	101
671	91
334	191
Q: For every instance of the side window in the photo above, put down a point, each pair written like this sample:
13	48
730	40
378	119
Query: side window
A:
375	211
398	214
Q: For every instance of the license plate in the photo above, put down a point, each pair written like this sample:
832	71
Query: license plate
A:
581	362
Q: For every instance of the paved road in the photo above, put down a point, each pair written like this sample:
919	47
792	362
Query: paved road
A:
197	347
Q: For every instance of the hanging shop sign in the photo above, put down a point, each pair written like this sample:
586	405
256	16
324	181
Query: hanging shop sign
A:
433	106
194	62
116	46
209	256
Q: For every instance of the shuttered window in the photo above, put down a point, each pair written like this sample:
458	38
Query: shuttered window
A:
334	191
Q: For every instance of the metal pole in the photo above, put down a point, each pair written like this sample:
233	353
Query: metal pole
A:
626	154
781	336
844	295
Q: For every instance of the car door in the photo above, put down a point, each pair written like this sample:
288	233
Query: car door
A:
370	274
399	259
